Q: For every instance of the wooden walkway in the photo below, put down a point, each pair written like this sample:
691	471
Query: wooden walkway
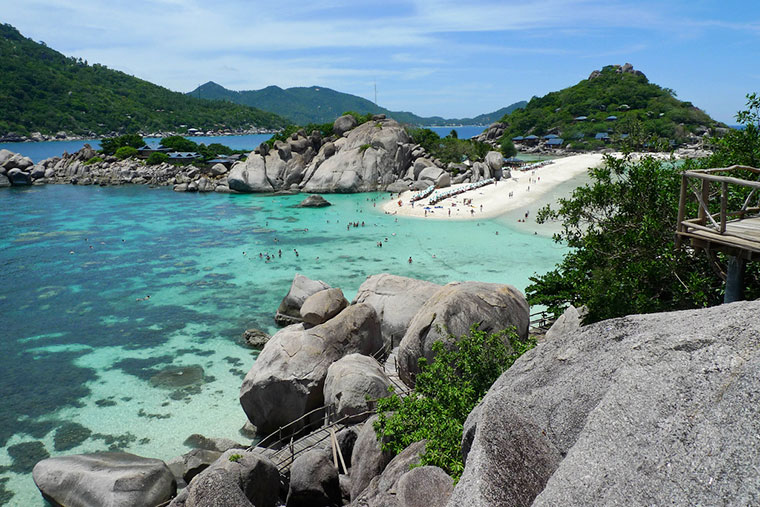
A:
282	451
716	228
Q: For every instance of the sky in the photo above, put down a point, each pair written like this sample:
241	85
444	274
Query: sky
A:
431	57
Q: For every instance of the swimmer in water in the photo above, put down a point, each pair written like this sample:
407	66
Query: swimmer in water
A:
410	260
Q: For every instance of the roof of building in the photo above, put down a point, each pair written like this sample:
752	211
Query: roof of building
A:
551	136
531	137
581	118
602	135
184	154
518	138
611	118
557	141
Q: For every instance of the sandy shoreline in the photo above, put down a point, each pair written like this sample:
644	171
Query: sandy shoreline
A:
494	200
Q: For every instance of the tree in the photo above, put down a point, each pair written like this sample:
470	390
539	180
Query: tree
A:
157	158
507	147
621	230
453	134
445	393
109	145
178	143
125	152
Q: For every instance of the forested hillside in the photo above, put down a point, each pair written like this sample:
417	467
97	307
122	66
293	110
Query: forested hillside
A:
42	90
316	104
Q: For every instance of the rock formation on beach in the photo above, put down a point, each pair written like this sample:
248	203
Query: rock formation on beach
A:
376	155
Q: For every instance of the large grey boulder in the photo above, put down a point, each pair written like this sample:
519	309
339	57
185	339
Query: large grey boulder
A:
238	477
19	178
289	311
372	156
452	310
104	478
350	381
647	409
4	181
250	176
5	156
368	460
287	378
397	187
190	464
323	306
568	322
396	299
381	491
495	161
314	480
343	124
426	486
431	173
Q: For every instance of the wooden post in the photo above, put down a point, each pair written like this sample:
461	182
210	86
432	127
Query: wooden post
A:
334	446
723	204
340	453
734	280
705	197
681	210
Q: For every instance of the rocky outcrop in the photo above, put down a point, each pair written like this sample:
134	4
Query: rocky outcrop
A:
289	311
370	157
647	409
190	464
451	311
381	491
314	201
343	124
425	486
106	478
314	480
250	176
287	378
352	383
322	306
368	459
396	299
255	338
237	478
495	161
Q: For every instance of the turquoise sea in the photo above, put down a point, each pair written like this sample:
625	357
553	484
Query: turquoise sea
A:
90	364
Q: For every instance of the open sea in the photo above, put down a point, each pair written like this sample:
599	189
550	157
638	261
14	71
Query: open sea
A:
89	363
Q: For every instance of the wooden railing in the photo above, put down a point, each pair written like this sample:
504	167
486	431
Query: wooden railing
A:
699	184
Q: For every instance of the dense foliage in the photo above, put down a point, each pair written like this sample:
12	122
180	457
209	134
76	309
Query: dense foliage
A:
42	90
631	98
157	158
449	148
621	228
109	145
445	393
320	105
125	152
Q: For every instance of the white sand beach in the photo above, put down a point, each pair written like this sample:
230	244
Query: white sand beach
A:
525	187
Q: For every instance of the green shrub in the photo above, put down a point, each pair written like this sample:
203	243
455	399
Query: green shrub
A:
235	457
156	158
94	160
125	152
445	393
178	143
109	145
364	147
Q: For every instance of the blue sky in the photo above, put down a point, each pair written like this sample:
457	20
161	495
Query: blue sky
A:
447	58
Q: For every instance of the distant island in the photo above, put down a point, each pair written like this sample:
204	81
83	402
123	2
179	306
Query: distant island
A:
45	92
317	104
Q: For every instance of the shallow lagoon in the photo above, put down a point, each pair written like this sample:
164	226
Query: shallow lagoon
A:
79	348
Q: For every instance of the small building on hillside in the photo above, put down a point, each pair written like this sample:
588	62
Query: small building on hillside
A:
555	143
581	118
611	118
184	156
551	136
518	139
602	136
146	151
531	140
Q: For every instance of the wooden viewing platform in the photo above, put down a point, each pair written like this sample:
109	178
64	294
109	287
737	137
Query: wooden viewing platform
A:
735	232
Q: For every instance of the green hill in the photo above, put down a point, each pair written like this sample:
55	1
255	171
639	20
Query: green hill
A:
317	104
618	101
42	90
